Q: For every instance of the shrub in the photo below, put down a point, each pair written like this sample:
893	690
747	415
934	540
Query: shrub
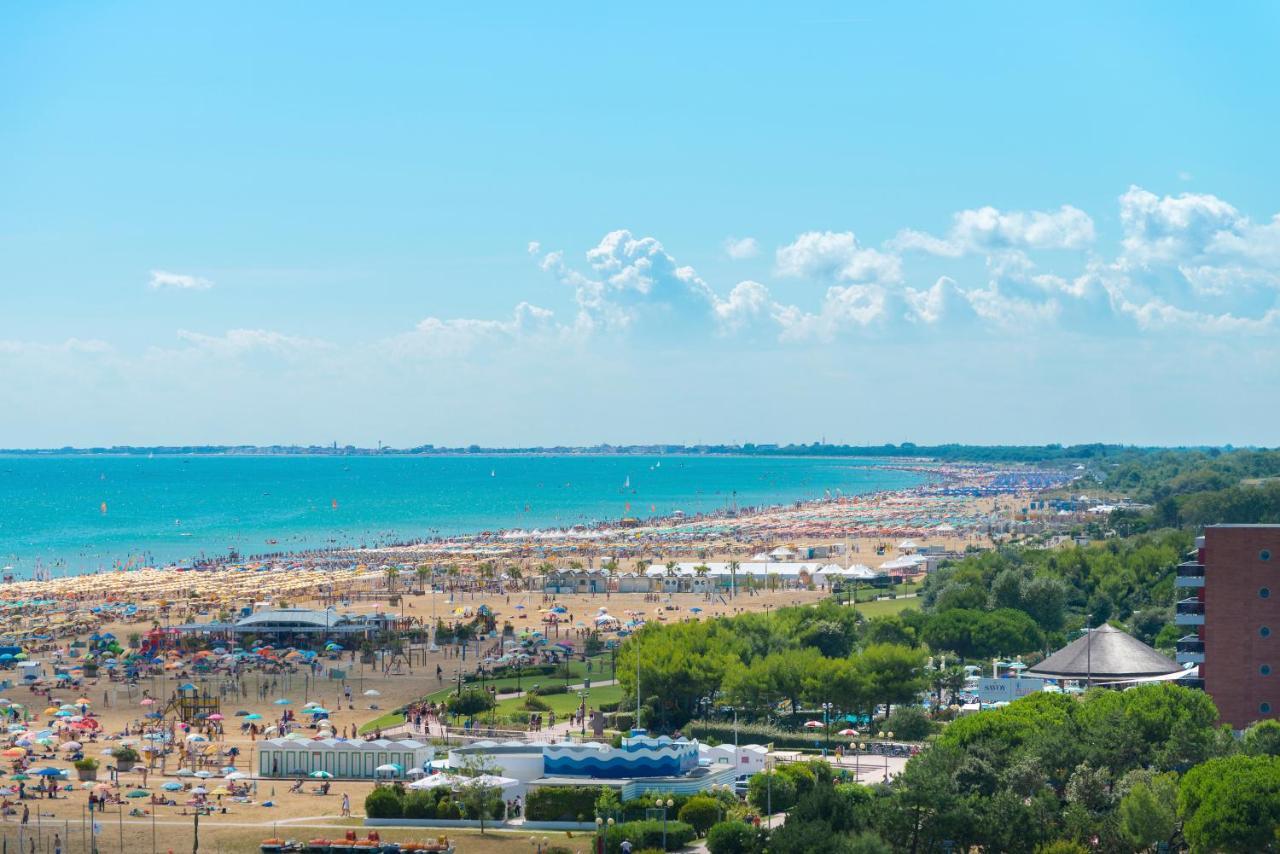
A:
448	809
783	796
909	723
547	690
124	754
1062	846
418	805
732	837
86	764
383	802
700	813
648	834
561	803
534	703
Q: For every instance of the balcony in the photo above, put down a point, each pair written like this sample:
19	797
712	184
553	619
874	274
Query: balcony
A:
1189	574
1189	650
1189	612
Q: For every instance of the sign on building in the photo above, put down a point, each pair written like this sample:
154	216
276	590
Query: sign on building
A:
997	690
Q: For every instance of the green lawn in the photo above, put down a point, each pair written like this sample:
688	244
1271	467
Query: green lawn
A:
600	671
563	704
885	607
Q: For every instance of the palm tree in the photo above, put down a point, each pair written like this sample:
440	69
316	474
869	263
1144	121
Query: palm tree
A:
734	566
393	572
515	574
671	567
452	571
423	571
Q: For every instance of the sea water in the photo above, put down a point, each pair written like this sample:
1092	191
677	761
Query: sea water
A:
83	513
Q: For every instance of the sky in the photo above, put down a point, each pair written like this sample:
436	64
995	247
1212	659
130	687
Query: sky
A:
519	224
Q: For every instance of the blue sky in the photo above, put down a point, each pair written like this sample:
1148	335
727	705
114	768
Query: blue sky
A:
518	224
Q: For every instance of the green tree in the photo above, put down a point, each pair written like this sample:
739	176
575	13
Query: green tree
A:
1149	812
470	702
1262	739
1231	804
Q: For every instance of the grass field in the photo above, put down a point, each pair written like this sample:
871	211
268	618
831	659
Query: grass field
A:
885	607
600	671
563	704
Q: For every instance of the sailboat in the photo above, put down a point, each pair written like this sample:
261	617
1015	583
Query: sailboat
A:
627	484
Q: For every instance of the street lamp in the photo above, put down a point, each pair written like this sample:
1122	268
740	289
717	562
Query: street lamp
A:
666	805
826	726
857	760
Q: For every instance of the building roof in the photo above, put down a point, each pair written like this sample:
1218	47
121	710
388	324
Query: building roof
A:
291	616
1104	654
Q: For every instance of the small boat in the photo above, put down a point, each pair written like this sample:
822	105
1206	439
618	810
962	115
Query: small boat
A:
272	846
318	846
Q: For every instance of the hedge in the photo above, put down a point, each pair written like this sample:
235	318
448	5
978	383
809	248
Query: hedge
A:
561	803
390	802
545	690
648	834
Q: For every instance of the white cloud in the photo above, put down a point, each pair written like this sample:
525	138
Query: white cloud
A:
741	248
747	305
436	337
988	229
1172	229
837	256
163	279
241	342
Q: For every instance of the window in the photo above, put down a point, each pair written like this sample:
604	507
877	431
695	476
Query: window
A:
1264	708
1264	593
1264	555
1265	670
1265	632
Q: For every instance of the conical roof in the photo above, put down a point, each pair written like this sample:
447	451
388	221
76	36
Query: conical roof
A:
1104	654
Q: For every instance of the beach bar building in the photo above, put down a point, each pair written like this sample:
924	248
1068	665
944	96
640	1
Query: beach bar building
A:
302	627
354	759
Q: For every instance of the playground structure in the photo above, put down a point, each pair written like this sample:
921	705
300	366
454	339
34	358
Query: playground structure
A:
191	706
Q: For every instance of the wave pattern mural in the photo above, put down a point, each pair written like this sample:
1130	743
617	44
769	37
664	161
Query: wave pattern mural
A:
638	757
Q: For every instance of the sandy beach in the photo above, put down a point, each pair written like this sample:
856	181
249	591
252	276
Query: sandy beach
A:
53	620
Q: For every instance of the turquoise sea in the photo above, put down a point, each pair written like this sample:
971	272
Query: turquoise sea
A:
82	513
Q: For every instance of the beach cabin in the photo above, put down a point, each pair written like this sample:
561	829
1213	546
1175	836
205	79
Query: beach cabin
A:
632	582
568	581
293	757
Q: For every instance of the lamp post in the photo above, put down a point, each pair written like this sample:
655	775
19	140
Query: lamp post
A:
666	805
886	755
857	760
601	824
826	727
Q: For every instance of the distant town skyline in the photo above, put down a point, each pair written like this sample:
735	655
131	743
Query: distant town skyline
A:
518	226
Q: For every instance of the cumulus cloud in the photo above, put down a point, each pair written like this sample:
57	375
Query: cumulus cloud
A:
989	229
1173	229
166	280
741	248
836	256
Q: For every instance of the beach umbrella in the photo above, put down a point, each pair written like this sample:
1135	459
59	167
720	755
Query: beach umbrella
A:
221	790
847	732
373	692
227	769
19	776
147	701
283	701
172	787
253	717
199	790
51	772
813	724
215	717
236	775
184	772
138	793
14	752
71	745
389	768
322	775
204	775
318	710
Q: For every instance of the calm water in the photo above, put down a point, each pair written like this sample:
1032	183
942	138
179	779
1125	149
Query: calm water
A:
169	508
